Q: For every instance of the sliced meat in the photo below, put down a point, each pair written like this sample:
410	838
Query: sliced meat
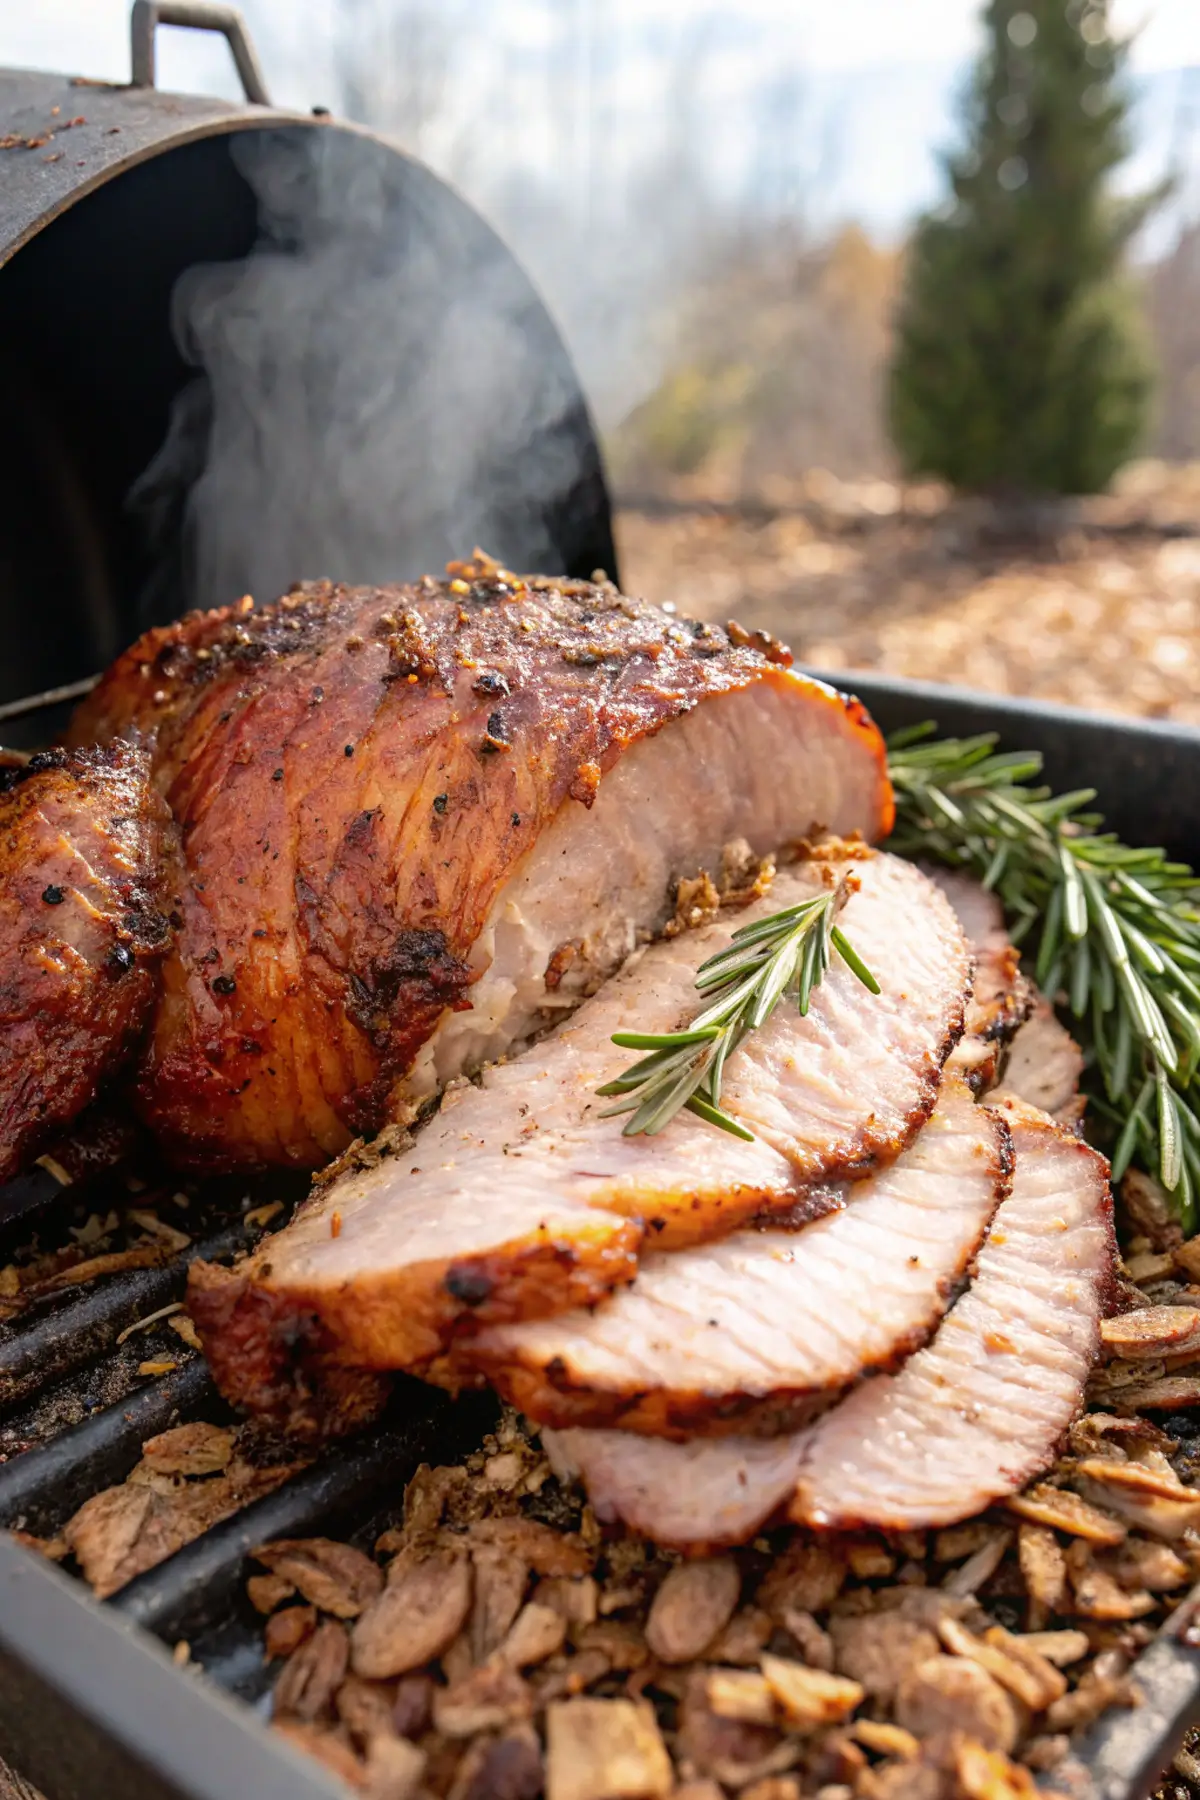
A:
981	1411
1045	1065
769	1326
376	1255
972	1417
82	933
421	822
1001	997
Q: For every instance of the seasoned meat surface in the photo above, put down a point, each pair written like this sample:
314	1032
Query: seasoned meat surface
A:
981	1411
419	822
82	933
1045	1065
770	1326
396	1259
967	1420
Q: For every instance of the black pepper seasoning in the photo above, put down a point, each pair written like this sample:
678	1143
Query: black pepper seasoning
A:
54	896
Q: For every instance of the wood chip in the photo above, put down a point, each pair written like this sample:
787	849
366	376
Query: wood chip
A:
417	1616
266	1592
1150	1265
394	1768
979	1568
577	1600
808	1698
499	1589
196	1449
183	1325
949	1693
605	1750
365	1708
869	1561
1098	1594
1064	1511
287	1630
1156	1567
487	1699
1168	1394
1033	1680
732	1751
547	1551
537	1632
325	1746
313	1673
886	1740
694	1604
1043	1569
501	1768
957	1542
985	1774
335	1577
812	1640
1062	1648
808	1576
876	1650
1154	1501
1151	1332
1187	1258
412	1706
741	1694
1094	1695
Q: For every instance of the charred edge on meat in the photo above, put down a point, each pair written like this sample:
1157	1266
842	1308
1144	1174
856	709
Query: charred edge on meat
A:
276	1358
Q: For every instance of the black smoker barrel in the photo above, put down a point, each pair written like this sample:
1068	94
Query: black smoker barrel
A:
240	347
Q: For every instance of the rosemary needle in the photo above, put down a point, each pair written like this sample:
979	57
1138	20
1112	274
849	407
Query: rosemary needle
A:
1113	932
786	953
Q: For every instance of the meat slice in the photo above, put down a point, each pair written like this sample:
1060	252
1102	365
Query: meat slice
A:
970	1418
981	1411
394	1259
769	1326
81	933
1001	996
421	822
1045	1065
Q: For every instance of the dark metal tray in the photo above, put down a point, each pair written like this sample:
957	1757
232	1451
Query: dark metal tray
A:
91	1705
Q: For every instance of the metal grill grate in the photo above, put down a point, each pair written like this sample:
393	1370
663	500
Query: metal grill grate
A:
91	1706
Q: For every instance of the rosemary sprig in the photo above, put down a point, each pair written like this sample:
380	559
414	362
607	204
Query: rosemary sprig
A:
1113	933
787	953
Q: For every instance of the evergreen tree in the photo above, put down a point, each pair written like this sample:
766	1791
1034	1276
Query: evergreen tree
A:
1020	366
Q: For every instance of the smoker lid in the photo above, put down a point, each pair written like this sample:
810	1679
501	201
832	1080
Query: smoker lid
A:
249	347
50	162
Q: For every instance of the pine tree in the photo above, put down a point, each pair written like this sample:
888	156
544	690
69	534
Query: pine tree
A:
1020	366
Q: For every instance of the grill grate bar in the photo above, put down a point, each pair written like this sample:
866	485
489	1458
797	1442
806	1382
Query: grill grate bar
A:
83	1328
41	1489
194	1590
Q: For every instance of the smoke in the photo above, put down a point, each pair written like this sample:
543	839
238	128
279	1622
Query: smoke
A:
378	390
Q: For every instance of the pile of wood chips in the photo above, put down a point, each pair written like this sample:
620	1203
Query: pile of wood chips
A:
501	1644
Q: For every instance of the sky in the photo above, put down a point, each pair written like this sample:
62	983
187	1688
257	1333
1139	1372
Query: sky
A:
90	37
827	110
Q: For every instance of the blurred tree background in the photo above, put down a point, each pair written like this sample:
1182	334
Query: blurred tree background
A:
731	334
810	421
1020	363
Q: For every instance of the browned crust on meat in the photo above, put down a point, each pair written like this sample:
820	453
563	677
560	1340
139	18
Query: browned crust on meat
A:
356	772
269	1350
82	933
271	1355
547	1394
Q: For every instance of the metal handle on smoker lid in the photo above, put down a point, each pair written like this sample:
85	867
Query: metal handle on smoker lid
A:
199	15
